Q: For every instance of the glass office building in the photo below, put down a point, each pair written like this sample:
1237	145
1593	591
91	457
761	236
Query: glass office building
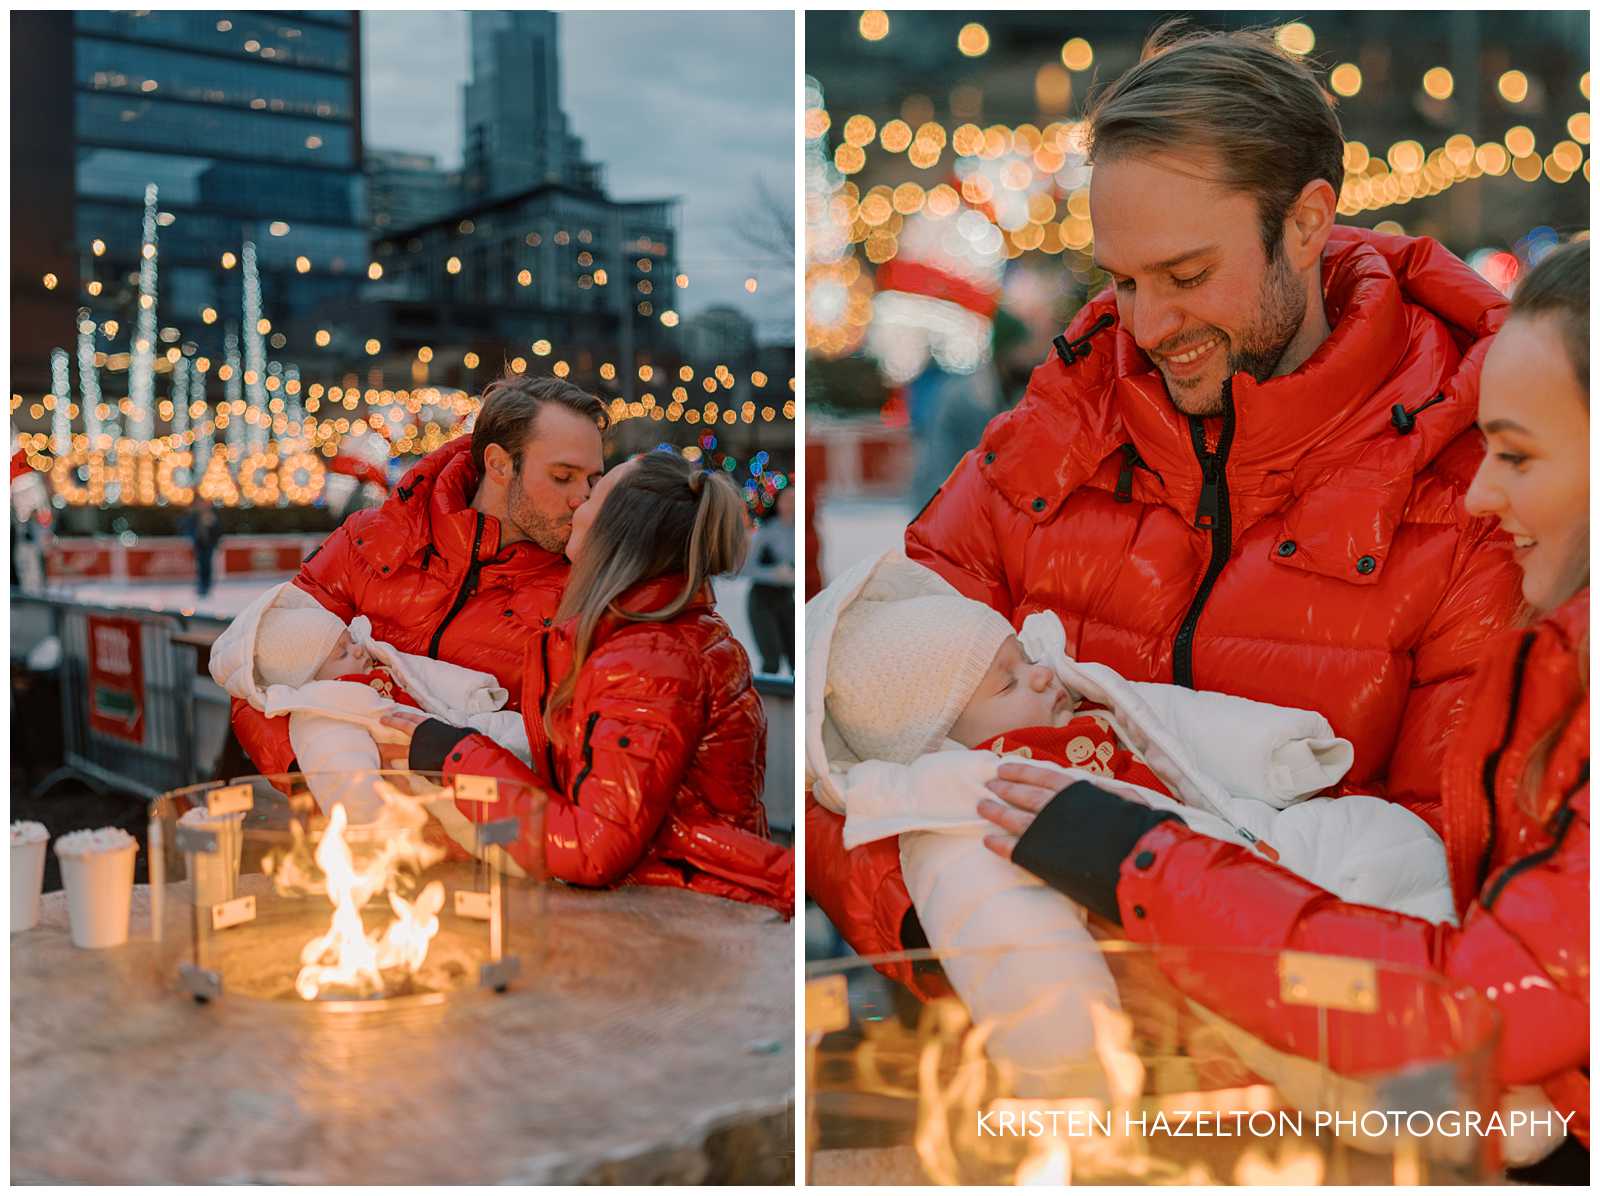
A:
249	124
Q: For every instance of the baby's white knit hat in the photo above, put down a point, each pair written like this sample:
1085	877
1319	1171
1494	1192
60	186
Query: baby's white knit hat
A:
900	672
292	643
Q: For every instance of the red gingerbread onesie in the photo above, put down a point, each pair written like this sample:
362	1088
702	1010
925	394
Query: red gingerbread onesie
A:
1086	742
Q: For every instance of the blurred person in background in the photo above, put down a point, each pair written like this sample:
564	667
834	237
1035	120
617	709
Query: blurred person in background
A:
27	555
771	570
960	406
203	526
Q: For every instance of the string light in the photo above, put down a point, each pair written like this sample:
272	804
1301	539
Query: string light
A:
141	378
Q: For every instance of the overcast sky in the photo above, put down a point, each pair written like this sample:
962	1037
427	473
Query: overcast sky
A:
692	105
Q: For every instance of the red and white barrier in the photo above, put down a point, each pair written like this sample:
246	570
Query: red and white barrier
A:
164	558
858	459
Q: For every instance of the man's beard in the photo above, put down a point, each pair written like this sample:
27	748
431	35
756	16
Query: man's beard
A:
549	534
1260	347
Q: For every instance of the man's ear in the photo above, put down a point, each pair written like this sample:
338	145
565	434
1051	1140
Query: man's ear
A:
497	463
1309	223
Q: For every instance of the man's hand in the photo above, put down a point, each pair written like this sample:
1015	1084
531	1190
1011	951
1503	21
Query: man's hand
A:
1022	790
398	755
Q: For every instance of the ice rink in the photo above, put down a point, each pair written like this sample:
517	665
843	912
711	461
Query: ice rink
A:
853	528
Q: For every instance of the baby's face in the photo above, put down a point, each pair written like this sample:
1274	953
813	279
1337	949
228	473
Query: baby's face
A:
1013	694
347	657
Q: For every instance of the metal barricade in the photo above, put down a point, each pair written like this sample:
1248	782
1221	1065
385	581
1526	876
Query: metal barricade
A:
126	713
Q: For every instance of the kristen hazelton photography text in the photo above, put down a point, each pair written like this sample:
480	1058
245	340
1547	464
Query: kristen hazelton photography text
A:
403	545
1197	621
1262	1123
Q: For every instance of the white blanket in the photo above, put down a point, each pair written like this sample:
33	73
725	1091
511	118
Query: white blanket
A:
335	726
1243	770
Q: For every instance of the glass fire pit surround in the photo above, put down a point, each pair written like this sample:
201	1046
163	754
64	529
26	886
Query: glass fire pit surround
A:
1116	1070
348	891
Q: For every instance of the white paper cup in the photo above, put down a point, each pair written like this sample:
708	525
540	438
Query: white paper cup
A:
216	874
98	878
28	841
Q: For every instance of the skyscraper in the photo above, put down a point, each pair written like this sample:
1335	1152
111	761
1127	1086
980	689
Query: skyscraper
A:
249	125
516	131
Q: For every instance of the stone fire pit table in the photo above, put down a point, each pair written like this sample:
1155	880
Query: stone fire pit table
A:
652	1042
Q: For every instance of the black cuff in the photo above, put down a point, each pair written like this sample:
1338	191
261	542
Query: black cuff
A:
431	743
1078	842
914	938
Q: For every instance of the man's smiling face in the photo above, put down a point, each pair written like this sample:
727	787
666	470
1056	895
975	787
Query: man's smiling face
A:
1195	286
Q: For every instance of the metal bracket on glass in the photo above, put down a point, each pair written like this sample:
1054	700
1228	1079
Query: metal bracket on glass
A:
499	974
202	984
827	1005
197	839
1328	981
503	832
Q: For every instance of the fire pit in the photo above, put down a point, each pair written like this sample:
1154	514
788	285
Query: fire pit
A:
352	891
647	1038
1122	1074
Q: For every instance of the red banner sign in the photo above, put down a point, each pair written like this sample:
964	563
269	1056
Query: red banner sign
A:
116	678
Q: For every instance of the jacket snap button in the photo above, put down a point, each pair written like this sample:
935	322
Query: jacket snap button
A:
1138	911
1144	859
1287	548
988	458
386	568
1038	504
456	757
508	614
623	742
1366	564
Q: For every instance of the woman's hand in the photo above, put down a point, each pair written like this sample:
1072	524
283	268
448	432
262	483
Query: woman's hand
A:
1021	792
398	755
1074	837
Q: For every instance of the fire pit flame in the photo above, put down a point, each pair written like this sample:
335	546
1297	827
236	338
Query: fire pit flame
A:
348	957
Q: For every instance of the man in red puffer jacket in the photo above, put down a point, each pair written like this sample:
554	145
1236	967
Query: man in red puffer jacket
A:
466	559
1242	467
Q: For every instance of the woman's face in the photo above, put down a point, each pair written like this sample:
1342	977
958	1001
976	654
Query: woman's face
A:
583	518
1534	413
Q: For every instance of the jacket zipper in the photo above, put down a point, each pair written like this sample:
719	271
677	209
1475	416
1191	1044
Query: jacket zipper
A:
469	583
544	703
1213	515
1562	821
1491	762
1130	461
588	755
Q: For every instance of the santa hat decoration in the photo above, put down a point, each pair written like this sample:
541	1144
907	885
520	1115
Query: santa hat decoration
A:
363	460
29	492
937	296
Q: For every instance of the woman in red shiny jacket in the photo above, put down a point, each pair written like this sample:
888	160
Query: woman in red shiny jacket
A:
647	734
1515	779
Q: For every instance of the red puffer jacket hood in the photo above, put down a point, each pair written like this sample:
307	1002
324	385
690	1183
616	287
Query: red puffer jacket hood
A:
1308	548
656	765
432	575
